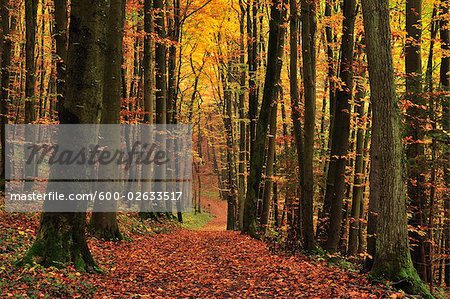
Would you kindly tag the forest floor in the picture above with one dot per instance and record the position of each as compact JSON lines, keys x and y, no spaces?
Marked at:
{"x":173,"y":262}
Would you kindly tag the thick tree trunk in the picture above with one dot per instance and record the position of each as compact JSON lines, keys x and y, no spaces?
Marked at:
{"x":104,"y":224}
{"x":61,"y":237}
{"x":392,"y":258}
{"x":273,"y":70}
{"x":308,"y":19}
{"x":341,"y":127}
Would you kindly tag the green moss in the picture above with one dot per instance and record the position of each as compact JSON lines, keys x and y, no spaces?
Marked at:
{"x":195,"y":221}
{"x":405,"y":278}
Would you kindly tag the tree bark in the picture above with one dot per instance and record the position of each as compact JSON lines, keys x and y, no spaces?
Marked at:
{"x":30,"y":65}
{"x":268,"y":182}
{"x":60,"y":28}
{"x":358,"y":182}
{"x":392,"y":258}
{"x":415,"y":117}
{"x":7,"y":42}
{"x":341,"y":127}
{"x":296,"y":117}
{"x":308,"y":19}
{"x":273,"y":70}
{"x":104,"y":224}
{"x":61,"y":237}
{"x":445,"y":83}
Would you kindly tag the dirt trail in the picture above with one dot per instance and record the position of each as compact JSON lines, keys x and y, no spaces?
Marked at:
{"x":213,"y":264}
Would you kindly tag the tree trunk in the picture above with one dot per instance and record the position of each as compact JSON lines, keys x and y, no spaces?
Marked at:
{"x":415,"y":117}
{"x":148,"y":63}
{"x":341,"y":127}
{"x":295,"y":111}
{"x":445,"y":83}
{"x":324,"y":212}
{"x":60,"y":28}
{"x":7,"y":29}
{"x":242,"y":123}
{"x":252,"y":32}
{"x":30,"y":65}
{"x":61,"y":237}
{"x":230,"y":161}
{"x":161,"y":84}
{"x":268,"y":182}
{"x":104,"y":224}
{"x":308,"y":19}
{"x":273,"y":70}
{"x":392,"y":258}
{"x":358,"y":182}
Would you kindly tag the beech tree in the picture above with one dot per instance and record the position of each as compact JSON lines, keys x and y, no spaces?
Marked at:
{"x":392,"y":259}
{"x":61,"y":237}
{"x":273,"y":70}
{"x":104,"y":224}
{"x":308,"y":19}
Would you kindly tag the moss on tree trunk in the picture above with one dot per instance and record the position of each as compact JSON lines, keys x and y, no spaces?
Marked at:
{"x":60,"y":243}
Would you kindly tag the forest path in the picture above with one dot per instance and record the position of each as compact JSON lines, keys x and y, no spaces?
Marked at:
{"x":217,"y":264}
{"x":214,"y":263}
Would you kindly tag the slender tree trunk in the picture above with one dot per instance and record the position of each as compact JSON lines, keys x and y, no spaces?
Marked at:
{"x":358,"y":183}
{"x":161,"y":83}
{"x":61,"y":237}
{"x":148,"y":63}
{"x":324,"y":213}
{"x":268,"y":182}
{"x":445,"y":84}
{"x":31,"y":7}
{"x":230,"y":161}
{"x":308,"y":19}
{"x":392,"y":258}
{"x":104,"y":224}
{"x":415,"y":118}
{"x":273,"y":70}
{"x":295,"y":109}
{"x":341,"y":127}
{"x":252,"y":46}
{"x":242,"y":122}
{"x":7,"y":29}
{"x":60,"y":28}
